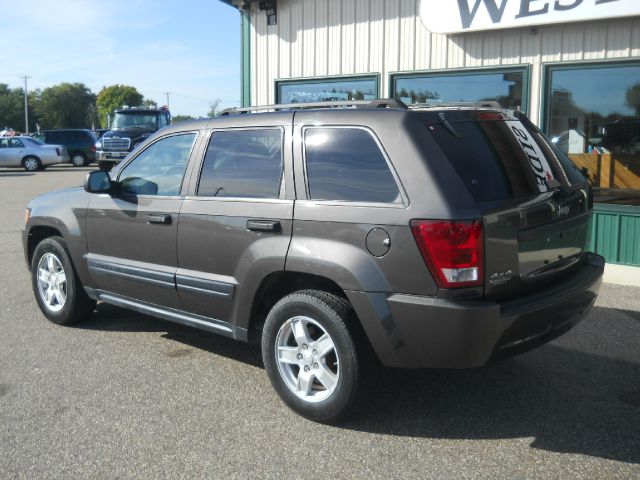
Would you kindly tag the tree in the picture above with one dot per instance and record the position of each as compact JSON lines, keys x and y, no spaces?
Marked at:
{"x":181,"y":118}
{"x":12,"y":108}
{"x":67,"y":105}
{"x":214,"y":108}
{"x":147,"y":102}
{"x":632,"y":98}
{"x":116,"y":96}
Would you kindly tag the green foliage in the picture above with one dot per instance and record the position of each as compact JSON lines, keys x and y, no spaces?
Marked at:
{"x":66,"y":105}
{"x":181,"y":118}
{"x":12,"y":108}
{"x":149,"y":103}
{"x":116,"y":96}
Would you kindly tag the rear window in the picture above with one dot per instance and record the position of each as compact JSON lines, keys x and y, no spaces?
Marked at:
{"x":499,"y":159}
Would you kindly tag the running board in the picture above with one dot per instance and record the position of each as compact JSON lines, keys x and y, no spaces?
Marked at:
{"x":172,"y":315}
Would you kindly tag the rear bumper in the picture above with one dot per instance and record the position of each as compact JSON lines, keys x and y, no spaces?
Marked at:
{"x":110,"y":156}
{"x":409,"y":331}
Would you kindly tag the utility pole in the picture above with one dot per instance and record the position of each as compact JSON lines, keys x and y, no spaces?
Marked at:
{"x":167,"y":94}
{"x":26,"y":105}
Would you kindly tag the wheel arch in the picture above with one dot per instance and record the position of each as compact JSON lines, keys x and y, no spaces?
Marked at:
{"x":279,"y":284}
{"x":37,"y":234}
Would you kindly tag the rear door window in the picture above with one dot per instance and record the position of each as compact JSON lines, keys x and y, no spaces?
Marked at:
{"x":499,"y":159}
{"x":242,"y":164}
{"x":346,"y":164}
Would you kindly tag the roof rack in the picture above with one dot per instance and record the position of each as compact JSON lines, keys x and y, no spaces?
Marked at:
{"x":487,"y":104}
{"x":383,"y":103}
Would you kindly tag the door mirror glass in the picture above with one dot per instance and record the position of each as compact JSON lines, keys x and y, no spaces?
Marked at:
{"x":98,"y":182}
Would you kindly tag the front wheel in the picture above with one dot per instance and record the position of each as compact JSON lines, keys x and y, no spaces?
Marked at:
{"x":315,"y":363}
{"x":57,"y":288}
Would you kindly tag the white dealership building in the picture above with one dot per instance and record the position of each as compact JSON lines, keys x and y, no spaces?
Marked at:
{"x":572,"y":65}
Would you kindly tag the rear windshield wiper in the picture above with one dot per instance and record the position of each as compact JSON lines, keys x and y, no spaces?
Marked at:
{"x":450,"y":128}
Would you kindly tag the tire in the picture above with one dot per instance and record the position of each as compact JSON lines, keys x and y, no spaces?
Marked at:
{"x":31,"y":164}
{"x":78,"y":159}
{"x":322,"y":380}
{"x":56,"y":285}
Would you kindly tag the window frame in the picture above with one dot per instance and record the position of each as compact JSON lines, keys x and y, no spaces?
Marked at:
{"x":549,"y":67}
{"x":404,"y":199}
{"x":525,"y":69}
{"x":324,"y":79}
{"x":207,"y":142}
{"x":545,"y":100}
{"x":185,"y":179}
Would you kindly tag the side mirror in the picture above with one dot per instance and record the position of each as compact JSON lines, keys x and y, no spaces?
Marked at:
{"x":98,"y":182}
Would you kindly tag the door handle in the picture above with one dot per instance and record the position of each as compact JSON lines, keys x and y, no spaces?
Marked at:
{"x":159,"y":219}
{"x":269,"y":226}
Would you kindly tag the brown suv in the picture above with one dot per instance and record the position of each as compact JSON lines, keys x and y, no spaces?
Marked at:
{"x":339,"y":236}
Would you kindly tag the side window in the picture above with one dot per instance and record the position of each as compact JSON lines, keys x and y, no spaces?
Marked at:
{"x":15,"y":143}
{"x":346,"y":164}
{"x":163,"y":121}
{"x":4,"y":142}
{"x":160,"y":168}
{"x":242,"y":163}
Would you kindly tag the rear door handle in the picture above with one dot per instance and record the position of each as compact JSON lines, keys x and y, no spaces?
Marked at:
{"x":159,"y":219}
{"x":269,"y":226}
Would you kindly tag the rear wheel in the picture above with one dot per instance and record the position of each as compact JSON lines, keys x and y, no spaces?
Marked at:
{"x":318,"y":367}
{"x":31,"y":164}
{"x":78,"y":159}
{"x":57,"y":288}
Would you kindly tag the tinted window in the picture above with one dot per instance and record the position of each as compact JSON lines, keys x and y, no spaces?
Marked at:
{"x":328,"y":90}
{"x":159,"y":169}
{"x":504,"y":87}
{"x":593,"y":115}
{"x":503,"y":159}
{"x":15,"y":143}
{"x":242,"y":163}
{"x":347,"y":164}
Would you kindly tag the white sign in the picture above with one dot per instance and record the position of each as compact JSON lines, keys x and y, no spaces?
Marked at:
{"x":455,"y":16}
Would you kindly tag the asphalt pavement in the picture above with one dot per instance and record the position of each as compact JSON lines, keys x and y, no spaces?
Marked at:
{"x":124,"y":395}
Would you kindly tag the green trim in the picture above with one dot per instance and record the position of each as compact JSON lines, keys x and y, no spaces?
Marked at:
{"x":443,"y":72}
{"x":320,"y":79}
{"x":547,"y":68}
{"x":616,"y":208}
{"x":245,"y":42}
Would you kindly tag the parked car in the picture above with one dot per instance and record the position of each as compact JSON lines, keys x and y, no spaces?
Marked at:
{"x":79,"y":142}
{"x":337,"y":236}
{"x":30,"y":153}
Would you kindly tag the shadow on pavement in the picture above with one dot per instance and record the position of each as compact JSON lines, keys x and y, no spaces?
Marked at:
{"x":569,"y":401}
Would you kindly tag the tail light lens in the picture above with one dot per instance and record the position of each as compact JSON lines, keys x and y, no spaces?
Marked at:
{"x":93,"y":148}
{"x":453,"y":251}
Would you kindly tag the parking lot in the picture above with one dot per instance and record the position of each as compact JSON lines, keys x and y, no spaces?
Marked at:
{"x":129,"y":396}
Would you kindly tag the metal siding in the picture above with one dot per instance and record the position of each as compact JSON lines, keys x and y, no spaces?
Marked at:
{"x":341,"y":37}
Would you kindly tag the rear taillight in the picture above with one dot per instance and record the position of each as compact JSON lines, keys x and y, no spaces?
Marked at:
{"x":453,"y":251}
{"x":57,"y":151}
{"x":93,"y":148}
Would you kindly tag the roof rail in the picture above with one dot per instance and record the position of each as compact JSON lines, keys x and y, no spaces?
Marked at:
{"x":380,"y":103}
{"x":487,"y":104}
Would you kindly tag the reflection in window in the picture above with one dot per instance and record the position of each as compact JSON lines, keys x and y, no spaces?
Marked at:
{"x":346,"y":164}
{"x":328,"y":90}
{"x":504,"y":87}
{"x":593,"y":114}
{"x":159,"y":168}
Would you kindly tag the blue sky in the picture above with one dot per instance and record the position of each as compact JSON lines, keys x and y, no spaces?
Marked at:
{"x":190,"y":48}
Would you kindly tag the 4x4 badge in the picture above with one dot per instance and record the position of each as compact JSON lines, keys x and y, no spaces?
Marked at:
{"x":500,"y":277}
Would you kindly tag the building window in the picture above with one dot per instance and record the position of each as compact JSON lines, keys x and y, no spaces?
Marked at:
{"x":327,"y":89}
{"x":593,"y":114}
{"x":506,"y":86}
{"x":346,"y":164}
